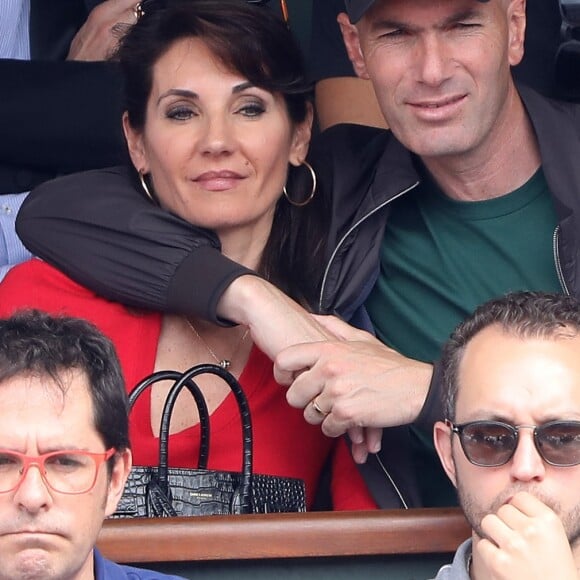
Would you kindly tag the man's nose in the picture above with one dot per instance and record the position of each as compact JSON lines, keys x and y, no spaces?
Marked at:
{"x":433,"y":60}
{"x":33,"y":493}
{"x":526,"y":463}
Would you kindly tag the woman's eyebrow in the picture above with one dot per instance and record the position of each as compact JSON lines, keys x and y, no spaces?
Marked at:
{"x":193,"y":95}
{"x":242,"y":87}
{"x":178,"y":93}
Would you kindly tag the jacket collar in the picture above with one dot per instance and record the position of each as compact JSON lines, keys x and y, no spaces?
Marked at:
{"x":559,"y":145}
{"x":556,"y":126}
{"x":558,"y":141}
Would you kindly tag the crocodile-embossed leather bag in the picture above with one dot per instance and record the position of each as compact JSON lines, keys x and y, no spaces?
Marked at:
{"x":163,"y":491}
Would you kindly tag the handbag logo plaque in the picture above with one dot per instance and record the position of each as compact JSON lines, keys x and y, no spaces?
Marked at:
{"x":163,"y":491}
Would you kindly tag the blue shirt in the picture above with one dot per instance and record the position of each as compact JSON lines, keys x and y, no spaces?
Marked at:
{"x":14,"y":36}
{"x":459,"y":568}
{"x":12,"y":251}
{"x":107,"y":570}
{"x":15,"y":44}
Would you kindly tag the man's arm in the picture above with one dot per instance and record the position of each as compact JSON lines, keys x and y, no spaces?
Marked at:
{"x":98,"y":229}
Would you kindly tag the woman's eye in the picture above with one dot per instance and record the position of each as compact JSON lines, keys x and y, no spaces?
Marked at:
{"x":252,"y":109}
{"x":180,"y":113}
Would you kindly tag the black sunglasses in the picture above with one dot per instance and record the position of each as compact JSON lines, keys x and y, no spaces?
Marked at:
{"x":568,"y":55}
{"x":493,"y":443}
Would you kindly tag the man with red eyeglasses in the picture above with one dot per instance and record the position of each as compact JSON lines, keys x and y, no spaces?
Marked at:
{"x":64,"y":449}
{"x":511,"y":440}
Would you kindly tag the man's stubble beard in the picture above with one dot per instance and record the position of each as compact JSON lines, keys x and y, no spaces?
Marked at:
{"x":474,"y":512}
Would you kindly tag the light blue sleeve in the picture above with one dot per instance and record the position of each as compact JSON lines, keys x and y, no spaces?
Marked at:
{"x":12,"y":250}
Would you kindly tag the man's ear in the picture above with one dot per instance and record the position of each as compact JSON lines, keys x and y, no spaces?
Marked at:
{"x":351,"y":40}
{"x":119,"y":475}
{"x":135,"y":145}
{"x":516,"y":31}
{"x":442,"y":438}
{"x":301,"y":138}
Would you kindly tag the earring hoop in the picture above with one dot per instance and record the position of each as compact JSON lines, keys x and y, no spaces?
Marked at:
{"x":146,"y":187}
{"x":138,"y":11}
{"x":312,"y":192}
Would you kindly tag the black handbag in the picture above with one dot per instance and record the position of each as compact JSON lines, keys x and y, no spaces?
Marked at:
{"x":164,"y":491}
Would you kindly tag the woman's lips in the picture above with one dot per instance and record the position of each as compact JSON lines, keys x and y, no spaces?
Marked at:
{"x":218,"y":180}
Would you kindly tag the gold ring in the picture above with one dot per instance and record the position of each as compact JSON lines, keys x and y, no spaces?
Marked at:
{"x":317,"y":408}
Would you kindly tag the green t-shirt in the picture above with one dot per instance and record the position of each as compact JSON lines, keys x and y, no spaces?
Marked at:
{"x":440,"y":259}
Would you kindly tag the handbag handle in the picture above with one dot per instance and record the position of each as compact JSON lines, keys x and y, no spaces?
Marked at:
{"x":241,"y":502}
{"x":199,"y":401}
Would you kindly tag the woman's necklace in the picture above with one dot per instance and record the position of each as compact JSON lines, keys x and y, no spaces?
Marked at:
{"x":224,"y":363}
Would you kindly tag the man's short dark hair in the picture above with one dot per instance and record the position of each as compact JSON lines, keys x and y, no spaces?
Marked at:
{"x":521,"y":314}
{"x":33,"y":343}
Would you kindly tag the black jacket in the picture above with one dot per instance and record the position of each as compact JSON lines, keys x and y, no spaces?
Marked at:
{"x":97,"y":229}
{"x":57,"y":116}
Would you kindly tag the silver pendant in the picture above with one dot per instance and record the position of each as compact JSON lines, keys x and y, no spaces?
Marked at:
{"x":225,"y":364}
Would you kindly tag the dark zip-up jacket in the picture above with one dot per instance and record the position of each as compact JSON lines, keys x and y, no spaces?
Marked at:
{"x":100,"y":232}
{"x":375,"y":165}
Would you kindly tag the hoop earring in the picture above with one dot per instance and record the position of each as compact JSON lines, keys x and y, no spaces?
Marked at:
{"x":312,"y":192}
{"x":145,"y":187}
{"x":138,"y":11}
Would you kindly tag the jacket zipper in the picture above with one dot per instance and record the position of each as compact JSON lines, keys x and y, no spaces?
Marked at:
{"x":559,"y":272}
{"x":350,"y":230}
{"x":342,"y":240}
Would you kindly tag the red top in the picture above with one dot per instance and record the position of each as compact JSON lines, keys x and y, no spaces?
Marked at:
{"x":284,"y":444}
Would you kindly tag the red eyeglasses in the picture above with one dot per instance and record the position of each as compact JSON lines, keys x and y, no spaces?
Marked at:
{"x":70,"y":471}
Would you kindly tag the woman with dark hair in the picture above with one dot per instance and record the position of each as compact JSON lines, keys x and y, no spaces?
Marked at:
{"x":218,"y":123}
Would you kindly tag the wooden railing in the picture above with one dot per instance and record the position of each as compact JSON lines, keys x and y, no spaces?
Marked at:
{"x":417,"y":531}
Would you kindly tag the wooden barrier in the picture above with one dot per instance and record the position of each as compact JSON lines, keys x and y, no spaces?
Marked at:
{"x":309,"y":535}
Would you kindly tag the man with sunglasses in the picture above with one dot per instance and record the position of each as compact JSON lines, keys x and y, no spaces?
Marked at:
{"x":511,"y":440}
{"x":64,"y":449}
